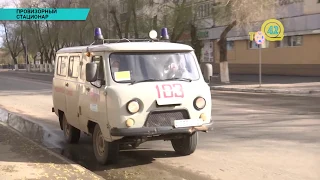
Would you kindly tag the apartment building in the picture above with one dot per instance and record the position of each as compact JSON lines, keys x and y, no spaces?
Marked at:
{"x":149,"y":13}
{"x":148,"y":9}
{"x":297,"y":54}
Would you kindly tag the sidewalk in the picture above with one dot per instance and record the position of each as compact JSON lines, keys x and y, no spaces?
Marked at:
{"x":31,"y":72}
{"x":270,"y":84}
{"x":21,"y":158}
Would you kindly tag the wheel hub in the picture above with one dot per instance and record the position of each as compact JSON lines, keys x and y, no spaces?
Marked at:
{"x":100,"y":144}
{"x":67,"y":128}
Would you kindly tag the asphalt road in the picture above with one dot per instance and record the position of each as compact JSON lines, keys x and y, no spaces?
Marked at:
{"x":256,"y":136}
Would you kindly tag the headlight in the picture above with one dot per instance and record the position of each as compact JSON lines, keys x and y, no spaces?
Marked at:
{"x":199,"y":103}
{"x":133,"y":106}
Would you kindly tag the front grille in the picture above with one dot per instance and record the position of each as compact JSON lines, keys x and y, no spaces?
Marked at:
{"x":165,"y":118}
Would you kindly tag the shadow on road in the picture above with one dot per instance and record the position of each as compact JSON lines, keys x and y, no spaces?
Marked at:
{"x":82,"y":153}
{"x":266,"y":117}
{"x":238,"y":79}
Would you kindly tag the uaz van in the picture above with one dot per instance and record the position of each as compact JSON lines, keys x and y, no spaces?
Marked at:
{"x":127,"y":93}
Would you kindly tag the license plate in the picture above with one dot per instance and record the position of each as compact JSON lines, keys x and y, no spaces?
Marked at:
{"x":169,"y":101}
{"x":188,"y":123}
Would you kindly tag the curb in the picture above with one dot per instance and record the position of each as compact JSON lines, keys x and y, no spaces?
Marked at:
{"x":31,"y":72}
{"x":270,"y":91}
{"x":10,"y":120}
{"x":37,"y":73}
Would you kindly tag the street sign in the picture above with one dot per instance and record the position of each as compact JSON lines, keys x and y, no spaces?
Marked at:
{"x":273,"y":30}
{"x":259,"y":37}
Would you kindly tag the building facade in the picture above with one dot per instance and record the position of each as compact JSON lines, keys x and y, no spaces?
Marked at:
{"x":297,"y":54}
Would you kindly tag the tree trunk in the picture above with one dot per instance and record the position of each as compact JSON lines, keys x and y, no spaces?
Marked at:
{"x":116,"y":21}
{"x":195,"y":42}
{"x":179,"y":25}
{"x":24,"y":45}
{"x":126,"y":29}
{"x":16,"y":67}
{"x":135,"y":25}
{"x":155,"y":22}
{"x":222,"y":43}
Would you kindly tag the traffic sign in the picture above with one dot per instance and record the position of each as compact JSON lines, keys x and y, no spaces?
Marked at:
{"x":273,"y":30}
{"x":38,"y":54}
{"x":259,"y":37}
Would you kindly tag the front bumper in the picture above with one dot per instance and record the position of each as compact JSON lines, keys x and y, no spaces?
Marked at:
{"x":152,"y":131}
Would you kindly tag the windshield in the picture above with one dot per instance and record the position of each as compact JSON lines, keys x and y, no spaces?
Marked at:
{"x":135,"y":67}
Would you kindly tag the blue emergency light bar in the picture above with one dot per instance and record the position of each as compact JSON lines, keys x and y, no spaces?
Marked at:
{"x":98,"y":34}
{"x":164,"y":34}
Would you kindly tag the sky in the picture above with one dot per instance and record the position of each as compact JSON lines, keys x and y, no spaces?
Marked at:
{"x":8,"y":4}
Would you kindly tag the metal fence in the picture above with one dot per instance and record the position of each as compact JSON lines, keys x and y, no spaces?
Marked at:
{"x":7,"y":66}
{"x":33,"y":67}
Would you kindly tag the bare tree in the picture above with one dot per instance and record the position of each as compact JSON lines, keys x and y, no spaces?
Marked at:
{"x":181,"y":16}
{"x":12,"y":41}
{"x":113,"y":12}
{"x":240,"y":14}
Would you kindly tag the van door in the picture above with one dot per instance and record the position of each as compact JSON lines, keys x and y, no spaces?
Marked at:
{"x":92,"y":102}
{"x":59,"y":98}
{"x":72,"y":90}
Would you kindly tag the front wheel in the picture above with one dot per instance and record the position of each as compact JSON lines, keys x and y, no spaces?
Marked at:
{"x":186,"y":145}
{"x":105,"y":152}
{"x":71,"y":133}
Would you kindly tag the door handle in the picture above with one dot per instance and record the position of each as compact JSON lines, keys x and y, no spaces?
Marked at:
{"x":88,"y":89}
{"x":67,"y":84}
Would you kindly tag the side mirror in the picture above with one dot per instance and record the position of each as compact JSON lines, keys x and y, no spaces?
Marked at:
{"x":91,"y":72}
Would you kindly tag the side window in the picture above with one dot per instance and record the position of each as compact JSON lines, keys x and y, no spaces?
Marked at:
{"x":74,"y":66}
{"x":61,"y":66}
{"x":99,"y":61}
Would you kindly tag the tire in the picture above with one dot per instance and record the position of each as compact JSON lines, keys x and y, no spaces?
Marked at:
{"x":71,"y":134}
{"x":134,"y":145}
{"x":105,"y":152}
{"x":186,"y":145}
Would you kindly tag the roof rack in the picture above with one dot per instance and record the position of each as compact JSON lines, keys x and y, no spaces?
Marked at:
{"x":98,"y":37}
{"x":126,"y":40}
{"x":108,"y":41}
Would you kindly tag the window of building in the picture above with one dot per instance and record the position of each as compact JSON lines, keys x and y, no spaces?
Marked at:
{"x":204,"y":10}
{"x":290,"y":41}
{"x":230,"y":45}
{"x":254,"y":45}
{"x":62,"y":65}
{"x":151,"y":2}
{"x":140,"y":4}
{"x":123,"y":6}
{"x":74,"y":66}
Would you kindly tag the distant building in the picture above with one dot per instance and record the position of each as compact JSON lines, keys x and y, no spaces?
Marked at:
{"x":297,"y":54}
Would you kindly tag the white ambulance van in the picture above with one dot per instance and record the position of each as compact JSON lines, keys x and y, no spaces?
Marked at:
{"x":127,"y":93}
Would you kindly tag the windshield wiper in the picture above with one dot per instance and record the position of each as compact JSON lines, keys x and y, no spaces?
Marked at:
{"x":146,"y":80}
{"x":179,"y":79}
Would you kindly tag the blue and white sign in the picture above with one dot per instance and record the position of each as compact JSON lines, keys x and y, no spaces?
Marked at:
{"x":259,"y":37}
{"x":40,"y":14}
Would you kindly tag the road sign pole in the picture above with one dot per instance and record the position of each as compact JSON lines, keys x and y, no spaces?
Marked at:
{"x":260,"y":65}
{"x":271,"y":30}
{"x":259,"y":39}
